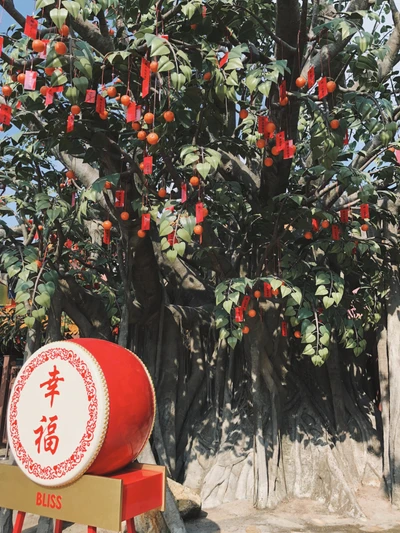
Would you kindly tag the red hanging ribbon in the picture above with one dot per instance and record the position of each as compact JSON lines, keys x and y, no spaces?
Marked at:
{"x":73,"y":200}
{"x":322,"y":88}
{"x":262,"y":125}
{"x":146,"y":221}
{"x":199,"y":212}
{"x":31,"y":27}
{"x":100,"y":104}
{"x":288,"y":149}
{"x":315,"y":224}
{"x":224,"y":60}
{"x":172,"y":238}
{"x":282,"y":90}
{"x":346,"y":138}
{"x":1,"y":44}
{"x":311,"y":77}
{"x":131,"y":113}
{"x":145,"y":74}
{"x":119,"y":198}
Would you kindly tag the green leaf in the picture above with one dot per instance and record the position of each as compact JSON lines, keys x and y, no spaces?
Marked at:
{"x":232,"y":341}
{"x":81,"y":84}
{"x":327,"y":301}
{"x":285,"y":291}
{"x":276,"y":283}
{"x":29,"y":321}
{"x":85,"y":67}
{"x":239,"y":286}
{"x":233,"y":64}
{"x":321,"y":291}
{"x":304,"y":312}
{"x":221,"y":321}
{"x":252,"y":82}
{"x":297,"y":295}
{"x":22,"y":297}
{"x":98,"y":185}
{"x":190,"y":159}
{"x":223,"y":334}
{"x":290,"y":311}
{"x":337,"y":296}
{"x":308,"y":339}
{"x":178,"y":80}
{"x":322,"y":278}
{"x":58,"y":78}
{"x":39,"y":313}
{"x":72,"y":94}
{"x":227,"y":305}
{"x":234,"y":297}
{"x":43,"y":299}
{"x":172,"y":255}
{"x":180,"y":248}
{"x":309,"y":350}
{"x":40,"y":4}
{"x":184,"y":235}
{"x":72,"y":7}
{"x":325,"y":339}
{"x":59,"y":16}
{"x":265,"y":88}
{"x":203,"y":169}
{"x":165,"y":228}
{"x":164,"y":64}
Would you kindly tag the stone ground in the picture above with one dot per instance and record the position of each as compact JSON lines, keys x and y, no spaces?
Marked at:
{"x":296,"y":516}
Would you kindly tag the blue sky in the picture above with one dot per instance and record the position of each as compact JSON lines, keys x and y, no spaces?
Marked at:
{"x":23,"y":6}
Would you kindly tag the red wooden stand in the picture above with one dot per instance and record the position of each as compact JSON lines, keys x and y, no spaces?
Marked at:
{"x":143,"y":490}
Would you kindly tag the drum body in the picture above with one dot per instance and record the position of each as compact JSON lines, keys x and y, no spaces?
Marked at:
{"x":79,"y":406}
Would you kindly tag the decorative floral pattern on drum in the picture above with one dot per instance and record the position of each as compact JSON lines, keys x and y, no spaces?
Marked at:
{"x":57,"y":415}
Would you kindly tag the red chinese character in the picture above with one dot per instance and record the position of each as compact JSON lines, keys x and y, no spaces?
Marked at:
{"x":52,"y":385}
{"x":50,"y":440}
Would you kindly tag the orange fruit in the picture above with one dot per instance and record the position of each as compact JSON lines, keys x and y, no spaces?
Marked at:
{"x":194,"y":181}
{"x":141,"y":166}
{"x":7,"y":91}
{"x":136,"y":126}
{"x":108,"y":185}
{"x":104,"y":115}
{"x":325,"y":224}
{"x":260,"y":143}
{"x":38,"y":263}
{"x":245,"y":330}
{"x":391,"y":149}
{"x":198,"y":230}
{"x":1,"y":127}
{"x":169,"y":116}
{"x":300,"y":82}
{"x":162,"y":193}
{"x":270,"y":127}
{"x":75,"y":110}
{"x":243,"y":114}
{"x":275,"y":292}
{"x":141,"y":233}
{"x":141,"y":135}
{"x":268,"y":161}
{"x":154,"y":66}
{"x":193,"y":26}
{"x":148,"y":118}
{"x":43,"y":90}
{"x":107,"y":225}
{"x":257,"y":294}
{"x":64,"y":30}
{"x":60,"y":49}
{"x":49,"y":71}
{"x":111,"y":32}
{"x":125,"y":215}
{"x":38,"y":46}
{"x":70,"y":174}
{"x":365,"y":227}
{"x":112,"y":92}
{"x":297,"y":334}
{"x":308,"y":235}
{"x":205,"y":212}
{"x":252,"y":313}
{"x":40,"y":228}
{"x":334,"y":124}
{"x":331,"y":86}
{"x":21,"y":78}
{"x":274,"y":150}
{"x":125,"y":100}
{"x":284,"y":101}
{"x":152,"y":138}
{"x":207,"y":76}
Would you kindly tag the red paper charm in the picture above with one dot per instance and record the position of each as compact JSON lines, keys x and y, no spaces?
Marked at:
{"x":119,"y":198}
{"x":145,"y":221}
{"x":164,"y":37}
{"x":199,"y":212}
{"x":346,"y":138}
{"x":31,"y":27}
{"x":282,"y":90}
{"x":131,"y":112}
{"x":315,"y":224}
{"x":288,"y":149}
{"x":322,"y":88}
{"x":30,"y":80}
{"x":1,"y":44}
{"x":145,"y":74}
{"x":49,"y":97}
{"x":106,"y":236}
{"x":148,"y":165}
{"x":184,"y":192}
{"x":43,"y":54}
{"x":70,"y":123}
{"x":172,"y":238}
{"x":311,"y":77}
{"x":224,"y":60}
{"x":245,"y":302}
{"x":238,"y":314}
{"x":5,"y":114}
{"x":100,"y":104}
{"x":267,"y":290}
{"x":344,"y":215}
{"x":335,"y":232}
{"x":204,"y":11}
{"x":262,"y":124}
{"x":284,"y":329}
{"x":364,"y":211}
{"x":90,"y":96}
{"x":280,"y":141}
{"x":73,"y":200}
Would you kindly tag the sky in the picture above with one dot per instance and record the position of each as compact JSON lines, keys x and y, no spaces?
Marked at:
{"x":23,"y":6}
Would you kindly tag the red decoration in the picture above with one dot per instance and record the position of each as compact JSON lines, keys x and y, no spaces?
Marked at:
{"x":364,"y":211}
{"x":335,"y":232}
{"x":106,"y":236}
{"x":145,"y":74}
{"x":49,"y":97}
{"x":90,"y":96}
{"x":172,"y":238}
{"x":238,"y":314}
{"x":100,"y":104}
{"x":31,"y":27}
{"x":245,"y":302}
{"x":19,"y":104}
{"x":199,"y":212}
{"x":145,"y":221}
{"x":397,"y":154}
{"x":131,"y":112}
{"x":344,"y":215}
{"x":288,"y":149}
{"x":204,"y":11}
{"x":73,"y":200}
{"x":30,"y":80}
{"x":280,"y":141}
{"x":1,"y":44}
{"x":119,"y":198}
{"x":262,"y":125}
{"x":184,"y":192}
{"x":148,"y":164}
{"x":70,"y":123}
{"x":267,"y":290}
{"x":282,"y":90}
{"x":284,"y":329}
{"x":164,"y":37}
{"x":311,"y":77}
{"x":322,"y":88}
{"x":43,"y":54}
{"x":224,"y":60}
{"x":315,"y":224}
{"x":346,"y":138}
{"x":5,"y":114}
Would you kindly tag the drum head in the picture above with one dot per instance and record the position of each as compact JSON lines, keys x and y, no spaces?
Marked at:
{"x":58,"y":414}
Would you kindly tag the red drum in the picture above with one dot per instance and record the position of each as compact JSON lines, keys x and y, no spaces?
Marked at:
{"x":79,"y":406}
